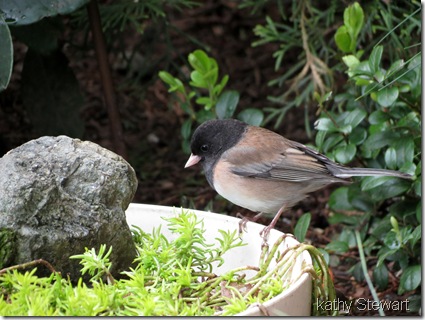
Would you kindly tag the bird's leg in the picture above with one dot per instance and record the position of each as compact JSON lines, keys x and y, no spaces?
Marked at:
{"x":245,"y":220}
{"x":265,"y":232}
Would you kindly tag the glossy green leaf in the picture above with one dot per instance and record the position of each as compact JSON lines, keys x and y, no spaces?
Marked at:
{"x":345,"y":129}
{"x":251,"y":116}
{"x":391,"y":188}
{"x":411,"y":120}
{"x":226,"y":104}
{"x":369,"y":183}
{"x":385,"y":253}
{"x":380,"y":276}
{"x":379,"y":76}
{"x":174,"y":83}
{"x":380,"y":139}
{"x":391,"y":158}
{"x":166,"y":77}
{"x":198,"y":80}
{"x":325,"y":124}
{"x":301,"y":227}
{"x":387,"y":96}
{"x":337,"y":246}
{"x":360,"y":200}
{"x":320,"y":138}
{"x":363,"y":69}
{"x":396,"y":66}
{"x":405,"y":150}
{"x":338,"y":200}
{"x":20,"y":12}
{"x":353,"y":19}
{"x":332,"y":141}
{"x":375,"y":58}
{"x":351,"y":61}
{"x":381,"y":229}
{"x":417,"y":187}
{"x":415,"y":236}
{"x":378,"y":116}
{"x":200,"y":61}
{"x":355,"y":117}
{"x":358,"y":272}
{"x":391,"y":240}
{"x":410,"y":279}
{"x":219,"y":87}
{"x":6,"y":55}
{"x":345,"y":154}
{"x":343,"y":39}
{"x":357,"y":136}
{"x":338,"y":218}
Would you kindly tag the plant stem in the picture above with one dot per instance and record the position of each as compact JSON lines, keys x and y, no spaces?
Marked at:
{"x":366,"y":275}
{"x":28,"y":265}
{"x":106,"y":78}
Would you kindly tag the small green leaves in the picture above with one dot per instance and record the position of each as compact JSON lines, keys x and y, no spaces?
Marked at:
{"x":217,"y":103}
{"x":353,"y":19}
{"x":174,"y":83}
{"x":172,"y":276}
{"x":346,"y":35}
{"x":95,"y":264}
{"x":377,"y":122}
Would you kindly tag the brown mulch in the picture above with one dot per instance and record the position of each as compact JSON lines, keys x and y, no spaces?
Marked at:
{"x":152,"y":121}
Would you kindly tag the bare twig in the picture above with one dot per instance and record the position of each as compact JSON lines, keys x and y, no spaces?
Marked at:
{"x":106,"y":77}
{"x":28,"y":265}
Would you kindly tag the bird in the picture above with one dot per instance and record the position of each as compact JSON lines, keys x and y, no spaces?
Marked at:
{"x":260,"y":170}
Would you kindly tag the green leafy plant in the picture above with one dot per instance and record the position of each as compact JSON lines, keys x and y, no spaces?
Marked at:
{"x":346,"y":35}
{"x":216,"y":103}
{"x":171,"y":277}
{"x":377,"y":123}
{"x":300,"y":31}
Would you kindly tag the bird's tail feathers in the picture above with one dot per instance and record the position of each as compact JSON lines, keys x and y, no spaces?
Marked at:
{"x":343,"y":172}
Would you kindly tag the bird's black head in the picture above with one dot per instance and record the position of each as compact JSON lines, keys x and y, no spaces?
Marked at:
{"x":214,"y":137}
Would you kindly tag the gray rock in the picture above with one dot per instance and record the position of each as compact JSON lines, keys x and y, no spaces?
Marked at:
{"x":60,"y":195}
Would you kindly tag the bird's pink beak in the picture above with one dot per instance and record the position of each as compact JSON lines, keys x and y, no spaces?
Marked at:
{"x":192,"y":160}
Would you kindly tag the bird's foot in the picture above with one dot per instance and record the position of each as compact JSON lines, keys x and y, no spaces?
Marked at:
{"x":265,"y":234}
{"x":244,"y":220}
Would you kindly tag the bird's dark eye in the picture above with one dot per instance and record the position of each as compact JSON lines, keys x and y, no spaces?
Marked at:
{"x":204,"y":148}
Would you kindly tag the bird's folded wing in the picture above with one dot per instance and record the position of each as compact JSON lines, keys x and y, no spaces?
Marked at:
{"x":293,"y":164}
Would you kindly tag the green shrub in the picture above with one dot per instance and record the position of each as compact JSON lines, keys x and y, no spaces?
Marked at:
{"x":376,"y":122}
{"x":216,"y":103}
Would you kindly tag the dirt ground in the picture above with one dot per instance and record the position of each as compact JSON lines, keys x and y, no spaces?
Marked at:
{"x":152,"y":122}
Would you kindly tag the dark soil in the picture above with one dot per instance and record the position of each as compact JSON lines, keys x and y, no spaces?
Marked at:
{"x":152,"y":120}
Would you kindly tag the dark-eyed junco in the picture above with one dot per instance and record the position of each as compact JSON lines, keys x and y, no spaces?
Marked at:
{"x":262,"y":171}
